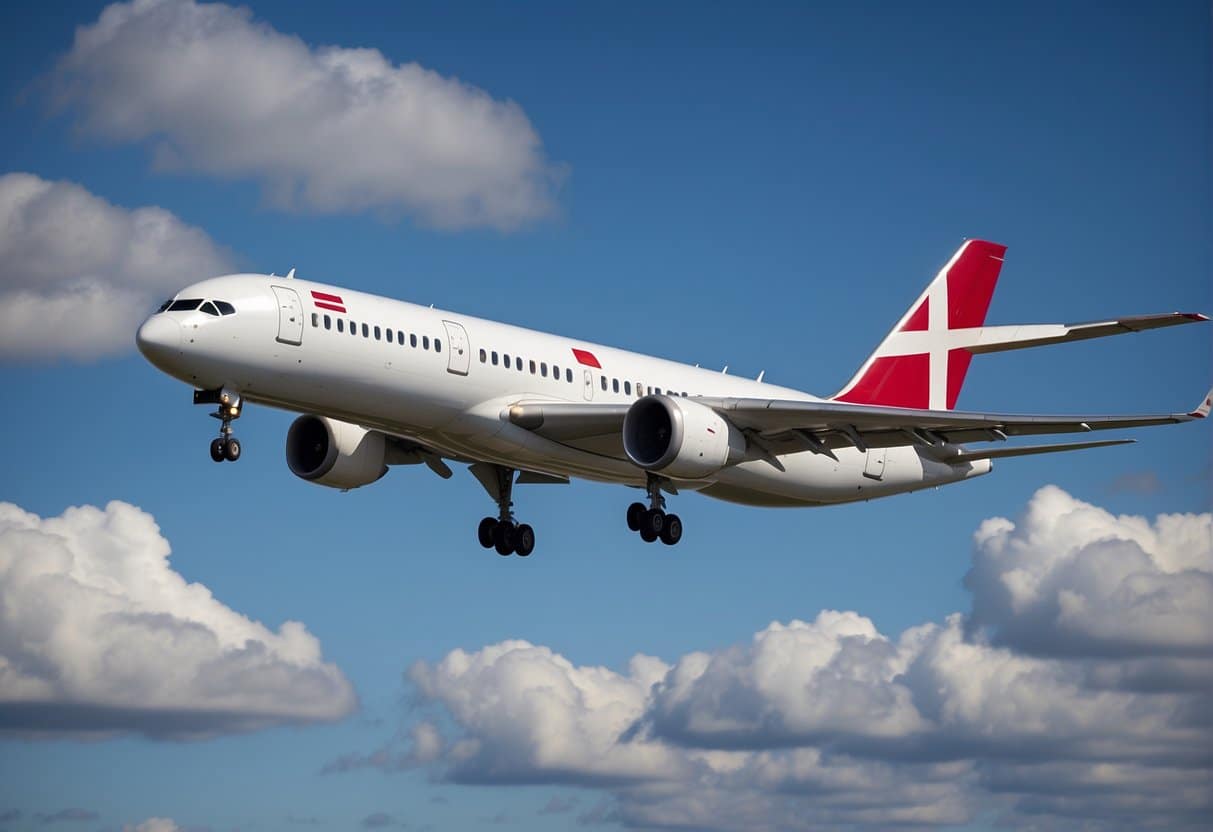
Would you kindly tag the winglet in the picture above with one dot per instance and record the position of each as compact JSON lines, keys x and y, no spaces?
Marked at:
{"x":1205,"y":406}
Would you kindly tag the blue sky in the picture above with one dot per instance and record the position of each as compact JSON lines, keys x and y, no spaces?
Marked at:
{"x":765,"y":188}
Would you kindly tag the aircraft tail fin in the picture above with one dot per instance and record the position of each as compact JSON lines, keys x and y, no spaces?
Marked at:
{"x":917,"y":365}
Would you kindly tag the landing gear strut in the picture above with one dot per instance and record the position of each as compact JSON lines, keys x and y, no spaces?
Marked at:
{"x":225,"y":446}
{"x":653,"y":522}
{"x":502,"y":532}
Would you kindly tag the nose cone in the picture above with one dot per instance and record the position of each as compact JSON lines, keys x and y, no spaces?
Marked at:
{"x":159,"y":339}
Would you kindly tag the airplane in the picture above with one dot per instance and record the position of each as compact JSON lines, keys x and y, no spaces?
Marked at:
{"x":382,"y":382}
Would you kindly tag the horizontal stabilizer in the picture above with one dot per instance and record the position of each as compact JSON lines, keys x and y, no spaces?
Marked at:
{"x":999,"y":338}
{"x":1029,"y":450}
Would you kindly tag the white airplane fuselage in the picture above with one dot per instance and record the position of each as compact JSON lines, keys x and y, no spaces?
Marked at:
{"x":442,"y":395}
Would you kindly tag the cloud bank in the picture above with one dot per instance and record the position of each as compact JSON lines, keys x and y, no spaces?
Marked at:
{"x":327,"y":129}
{"x":99,"y":635}
{"x":78,"y":274}
{"x":1077,"y":691}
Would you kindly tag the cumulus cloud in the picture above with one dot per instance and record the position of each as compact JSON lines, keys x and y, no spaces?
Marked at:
{"x":98,"y":634}
{"x":154,"y":825}
{"x":77,"y":273}
{"x":1073,"y":579}
{"x":830,"y":723}
{"x":323,"y":128}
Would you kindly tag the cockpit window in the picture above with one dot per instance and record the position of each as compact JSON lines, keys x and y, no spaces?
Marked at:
{"x":225,"y":308}
{"x":186,"y":305}
{"x":209,"y":308}
{"x":165,"y":305}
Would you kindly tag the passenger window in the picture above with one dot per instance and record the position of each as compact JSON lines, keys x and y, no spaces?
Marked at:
{"x":388,"y":334}
{"x":615,"y":384}
{"x":413,"y":340}
{"x":377,"y":333}
{"x":328,"y":322}
{"x":188,"y":305}
{"x":657,"y":390}
{"x":518,"y":363}
{"x":484,"y":356}
{"x":543,"y":369}
{"x":400,"y":337}
{"x":225,"y":308}
{"x":437,"y":345}
{"x":555,"y":372}
{"x":315,"y":320}
{"x":505,"y":360}
{"x":532,"y":367}
{"x":568,"y":375}
{"x":627,"y":387}
{"x":209,"y":308}
{"x":353,"y":328}
{"x":340,"y":325}
{"x":366,"y":331}
{"x":604,"y":383}
{"x":425,"y":342}
{"x":494,"y":358}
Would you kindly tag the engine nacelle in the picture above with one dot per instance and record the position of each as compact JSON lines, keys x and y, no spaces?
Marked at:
{"x":337,"y":454}
{"x":680,"y":438}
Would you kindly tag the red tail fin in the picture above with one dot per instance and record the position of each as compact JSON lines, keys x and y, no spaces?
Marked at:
{"x":917,"y":365}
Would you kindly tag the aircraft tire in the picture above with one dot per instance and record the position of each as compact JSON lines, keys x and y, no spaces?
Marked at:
{"x":231,"y":449}
{"x":217,"y":450}
{"x":503,"y":538}
{"x":653,"y":522}
{"x":635,"y":516}
{"x":485,"y":532}
{"x":524,"y":540}
{"x":671,"y":532}
{"x":647,"y":535}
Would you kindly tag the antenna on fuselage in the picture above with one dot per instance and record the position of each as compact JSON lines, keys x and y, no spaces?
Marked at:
{"x":725,"y":371}
{"x":761,"y":374}
{"x":291,"y":274}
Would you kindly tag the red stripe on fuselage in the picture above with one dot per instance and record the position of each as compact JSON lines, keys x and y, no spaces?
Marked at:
{"x":331,"y":306}
{"x":587,"y":358}
{"x":327,"y":297}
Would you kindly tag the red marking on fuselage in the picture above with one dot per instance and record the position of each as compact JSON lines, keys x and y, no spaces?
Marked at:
{"x":331,"y":306}
{"x":586,"y":357}
{"x":326,"y":296}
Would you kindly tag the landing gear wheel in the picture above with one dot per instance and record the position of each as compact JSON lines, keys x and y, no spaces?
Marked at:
{"x":671,"y":533}
{"x":217,"y":450}
{"x":485,"y":532}
{"x":635,"y":515}
{"x":524,"y":540}
{"x":503,"y":538}
{"x":647,"y":534}
{"x":653,"y":522}
{"x":231,"y":449}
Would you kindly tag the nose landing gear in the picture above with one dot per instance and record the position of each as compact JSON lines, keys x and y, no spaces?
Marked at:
{"x":225,"y":446}
{"x":653,"y":522}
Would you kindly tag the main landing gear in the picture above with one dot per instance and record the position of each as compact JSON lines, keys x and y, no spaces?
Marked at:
{"x":225,"y":446}
{"x":653,"y":522}
{"x":503,"y":532}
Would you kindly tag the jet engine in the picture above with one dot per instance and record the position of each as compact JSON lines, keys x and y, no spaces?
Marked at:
{"x":680,"y":438}
{"x":337,"y":454}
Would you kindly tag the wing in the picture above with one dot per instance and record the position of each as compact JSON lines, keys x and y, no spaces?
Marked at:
{"x":779,"y":426}
{"x":790,"y":426}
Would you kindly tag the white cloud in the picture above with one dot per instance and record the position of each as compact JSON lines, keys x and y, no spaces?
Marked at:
{"x":832,"y":724}
{"x":1074,"y":579}
{"x":78,"y":274}
{"x":98,"y":634}
{"x":324,"y":128}
{"x":154,"y":825}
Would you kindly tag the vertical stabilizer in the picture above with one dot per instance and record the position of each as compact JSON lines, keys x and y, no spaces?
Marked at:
{"x":918,"y":364}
